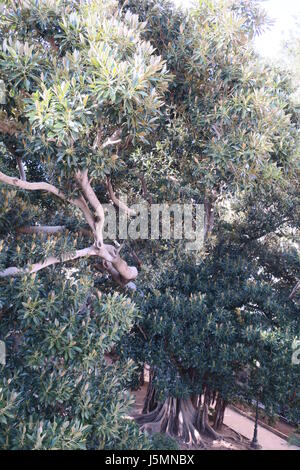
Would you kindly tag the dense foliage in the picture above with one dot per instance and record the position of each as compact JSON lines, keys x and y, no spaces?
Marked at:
{"x":58,"y":388}
{"x":79,"y":86}
{"x":163,"y":105}
{"x":224,"y":324}
{"x":220,"y":326}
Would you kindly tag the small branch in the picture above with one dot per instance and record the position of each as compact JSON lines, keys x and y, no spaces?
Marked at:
{"x":145,"y":192}
{"x":21,"y":169}
{"x":142,"y":331}
{"x":49,"y":229}
{"x":12,"y":150}
{"x":137,"y":259}
{"x":135,"y":256}
{"x":295,"y":291}
{"x":114,"y":139}
{"x":117,"y":201}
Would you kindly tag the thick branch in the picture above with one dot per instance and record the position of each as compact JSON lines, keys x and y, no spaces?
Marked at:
{"x":106,"y":266}
{"x":82,"y":178}
{"x":14,"y":271}
{"x":117,"y":266}
{"x":117,"y":201}
{"x":16,"y":182}
{"x":82,"y":204}
{"x":106,"y":252}
{"x":42,"y":186}
{"x":103,"y":252}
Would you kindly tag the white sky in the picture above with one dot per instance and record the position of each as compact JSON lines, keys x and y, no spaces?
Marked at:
{"x":284,"y":13}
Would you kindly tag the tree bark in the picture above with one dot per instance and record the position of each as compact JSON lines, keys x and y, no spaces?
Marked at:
{"x":175,"y":417}
{"x":113,"y":263}
{"x":219,"y":413}
{"x":21,"y":169}
{"x":184,"y":419}
{"x":121,"y":205}
{"x":150,"y":402}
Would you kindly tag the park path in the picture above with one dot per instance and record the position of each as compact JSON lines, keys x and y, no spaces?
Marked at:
{"x":236,"y":421}
{"x":245,"y":426}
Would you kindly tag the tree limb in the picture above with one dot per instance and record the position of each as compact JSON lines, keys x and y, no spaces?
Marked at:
{"x":118,"y":267}
{"x":40,"y":186}
{"x":49,"y":229}
{"x":295,"y":291}
{"x":21,"y":169}
{"x":82,"y":178}
{"x":82,"y":204}
{"x":14,"y":271}
{"x":117,"y":201}
{"x":145,"y":192}
{"x":106,"y":266}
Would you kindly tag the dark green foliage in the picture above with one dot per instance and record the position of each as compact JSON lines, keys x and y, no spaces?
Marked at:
{"x":295,"y":439}
{"x":161,"y":441}
{"x":223,"y":320}
{"x":71,"y":74}
{"x":59,"y":389}
{"x":198,"y":118}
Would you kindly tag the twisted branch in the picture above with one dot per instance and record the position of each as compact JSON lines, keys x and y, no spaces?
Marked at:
{"x":117,"y":201}
{"x":14,"y":271}
{"x":42,"y":186}
{"x":113,"y":263}
{"x":82,"y":179}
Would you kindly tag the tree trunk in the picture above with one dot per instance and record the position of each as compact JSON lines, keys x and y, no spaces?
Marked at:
{"x":219,"y":413}
{"x":184,"y":419}
{"x":150,"y":402}
{"x":202,"y":415}
{"x":176,"y":417}
{"x":142,"y":379}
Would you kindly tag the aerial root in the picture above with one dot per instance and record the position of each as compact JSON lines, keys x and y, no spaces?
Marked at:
{"x":175,"y":417}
